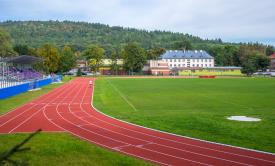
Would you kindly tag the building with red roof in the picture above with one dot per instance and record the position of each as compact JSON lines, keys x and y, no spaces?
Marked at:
{"x":272,"y":62}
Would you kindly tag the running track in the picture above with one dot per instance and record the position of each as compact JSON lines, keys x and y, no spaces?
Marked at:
{"x":68,"y":109}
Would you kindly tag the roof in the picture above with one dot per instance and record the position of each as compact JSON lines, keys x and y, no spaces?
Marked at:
{"x":272,"y":56}
{"x":23,"y":59}
{"x":188,"y":54}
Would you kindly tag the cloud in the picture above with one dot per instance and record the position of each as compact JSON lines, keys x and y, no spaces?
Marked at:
{"x":226,"y":19}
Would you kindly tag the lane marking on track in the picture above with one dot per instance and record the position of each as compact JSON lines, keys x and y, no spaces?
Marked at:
{"x":156,"y":143}
{"x":36,"y":112}
{"x":123,"y":141}
{"x":102,"y":145}
{"x":134,"y":137}
{"x":33,"y":105}
{"x":236,"y":154}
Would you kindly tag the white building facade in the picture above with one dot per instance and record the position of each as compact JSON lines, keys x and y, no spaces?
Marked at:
{"x":188,"y":59}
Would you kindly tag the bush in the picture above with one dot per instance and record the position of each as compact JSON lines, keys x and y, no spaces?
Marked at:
{"x":78,"y":73}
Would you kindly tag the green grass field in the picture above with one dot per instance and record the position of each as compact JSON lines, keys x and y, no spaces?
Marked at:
{"x":58,"y":148}
{"x":195,"y":107}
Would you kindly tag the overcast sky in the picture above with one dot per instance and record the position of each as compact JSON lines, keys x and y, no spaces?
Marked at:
{"x":230,"y":20}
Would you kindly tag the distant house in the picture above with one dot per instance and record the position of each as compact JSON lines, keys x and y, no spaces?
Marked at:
{"x":272,"y":62}
{"x":188,"y":59}
{"x":158,"y":67}
{"x":178,"y":60}
{"x":105,"y":68}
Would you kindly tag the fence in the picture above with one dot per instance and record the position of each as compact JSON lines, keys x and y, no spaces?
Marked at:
{"x":23,"y":87}
{"x":11,"y":75}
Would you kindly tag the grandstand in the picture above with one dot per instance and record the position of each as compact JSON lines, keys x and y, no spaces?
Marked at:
{"x":17,"y":70}
{"x":17,"y":75}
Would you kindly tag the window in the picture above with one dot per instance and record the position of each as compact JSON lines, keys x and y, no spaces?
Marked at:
{"x":197,"y":65}
{"x":193,"y":65}
{"x":170,"y":65}
{"x":179,"y":60}
{"x":178,"y":65}
{"x":205,"y":60}
{"x":197,"y":60}
{"x":183,"y":60}
{"x":183,"y":65}
{"x":175,"y":60}
{"x":170,"y":60}
{"x":201,"y":60}
{"x":201,"y":65}
{"x":193,"y":60}
{"x":175,"y":65}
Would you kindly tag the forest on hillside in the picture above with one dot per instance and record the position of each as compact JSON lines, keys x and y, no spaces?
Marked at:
{"x":62,"y":43}
{"x":81,"y":34}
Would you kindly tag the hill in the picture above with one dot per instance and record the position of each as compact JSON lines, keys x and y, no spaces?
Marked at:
{"x":81,"y":34}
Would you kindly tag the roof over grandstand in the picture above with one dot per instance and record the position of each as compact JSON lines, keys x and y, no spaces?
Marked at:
{"x":23,"y":59}
{"x":186,"y":54}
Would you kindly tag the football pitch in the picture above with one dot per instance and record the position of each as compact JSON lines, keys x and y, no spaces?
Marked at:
{"x":195,"y":107}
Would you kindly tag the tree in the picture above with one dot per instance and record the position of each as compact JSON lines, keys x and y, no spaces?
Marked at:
{"x":114,"y":64}
{"x":218,"y":53}
{"x":269,"y":50}
{"x":95,"y":53}
{"x":262,"y":62}
{"x":51,"y":58}
{"x":21,"y":49}
{"x":78,"y":73}
{"x":182,"y":45}
{"x":248,"y":68}
{"x":155,"y":53}
{"x":67,"y":59}
{"x":24,"y":50}
{"x":5,"y":44}
{"x":255,"y":61}
{"x":134,"y":57}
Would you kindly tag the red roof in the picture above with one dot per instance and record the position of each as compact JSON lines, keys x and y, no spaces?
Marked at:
{"x":272,"y":56}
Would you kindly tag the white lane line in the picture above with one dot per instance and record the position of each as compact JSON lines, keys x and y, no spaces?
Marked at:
{"x":123,"y":96}
{"x":34,"y":113}
{"x":236,"y":154}
{"x":27,"y":119}
{"x":102,"y":145}
{"x":17,"y":115}
{"x":150,"y":142}
{"x":115,"y":139}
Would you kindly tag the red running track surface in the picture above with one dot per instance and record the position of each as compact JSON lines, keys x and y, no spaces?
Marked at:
{"x":68,"y":109}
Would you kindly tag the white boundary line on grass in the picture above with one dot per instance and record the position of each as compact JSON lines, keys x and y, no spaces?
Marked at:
{"x":122,"y":95}
{"x":154,"y":161}
{"x":253,"y":150}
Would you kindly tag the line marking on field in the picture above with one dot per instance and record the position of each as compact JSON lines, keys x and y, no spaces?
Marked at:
{"x":123,"y":96}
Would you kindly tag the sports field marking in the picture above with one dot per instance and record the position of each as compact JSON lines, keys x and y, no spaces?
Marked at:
{"x":123,"y":96}
{"x":107,"y":137}
{"x":80,"y":93}
{"x":39,"y":110}
{"x":148,"y":142}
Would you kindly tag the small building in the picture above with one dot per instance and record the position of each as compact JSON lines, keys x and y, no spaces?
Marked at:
{"x":105,"y":68}
{"x":272,"y":62}
{"x":158,"y":67}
